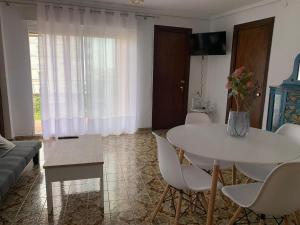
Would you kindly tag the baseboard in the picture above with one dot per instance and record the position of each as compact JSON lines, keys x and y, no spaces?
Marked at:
{"x":143,"y":130}
{"x":31,"y":137}
{"x":39,"y":137}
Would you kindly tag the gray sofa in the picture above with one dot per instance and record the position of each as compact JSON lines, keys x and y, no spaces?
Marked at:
{"x":14,"y":161}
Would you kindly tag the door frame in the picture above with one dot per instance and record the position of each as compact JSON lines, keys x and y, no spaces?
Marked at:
{"x":187,"y":31}
{"x":2,"y":130}
{"x":268,"y":21}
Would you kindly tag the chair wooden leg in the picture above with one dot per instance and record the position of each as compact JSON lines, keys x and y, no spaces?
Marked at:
{"x":178,"y":208}
{"x":235,"y":216}
{"x":296,"y":218}
{"x":161,"y":200}
{"x":233,"y":175}
{"x":221,"y":178}
{"x":173,"y":196}
{"x":248,"y":180}
{"x":181,"y":155}
{"x":204,"y":202}
{"x":195,"y":202}
{"x":286,"y":220}
{"x":212,"y":194}
{"x":191,"y":202}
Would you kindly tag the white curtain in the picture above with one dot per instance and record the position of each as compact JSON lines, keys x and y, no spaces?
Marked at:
{"x":88,"y":71}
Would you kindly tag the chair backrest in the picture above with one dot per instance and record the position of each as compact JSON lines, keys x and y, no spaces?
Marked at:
{"x":280,"y":193}
{"x":290,"y":130}
{"x":169,"y":164}
{"x":196,"y":118}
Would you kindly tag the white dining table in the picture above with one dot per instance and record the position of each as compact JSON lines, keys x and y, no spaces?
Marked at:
{"x":211,"y":141}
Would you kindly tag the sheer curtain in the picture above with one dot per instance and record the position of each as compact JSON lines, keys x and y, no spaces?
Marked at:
{"x":88,"y":71}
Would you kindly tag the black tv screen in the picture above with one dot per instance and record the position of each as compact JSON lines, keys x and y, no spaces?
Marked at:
{"x":213,"y":43}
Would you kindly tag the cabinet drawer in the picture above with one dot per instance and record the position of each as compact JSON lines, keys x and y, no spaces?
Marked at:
{"x":292,"y":108}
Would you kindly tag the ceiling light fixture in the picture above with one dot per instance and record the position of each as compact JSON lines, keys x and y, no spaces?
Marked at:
{"x":136,"y":2}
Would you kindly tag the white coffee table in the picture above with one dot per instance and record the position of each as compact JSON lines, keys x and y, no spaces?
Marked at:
{"x":73,"y":159}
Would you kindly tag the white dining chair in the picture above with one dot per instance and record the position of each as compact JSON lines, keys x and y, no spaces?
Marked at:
{"x":259,"y":172}
{"x":202,"y":162}
{"x":197,"y":118}
{"x":179,"y":178}
{"x":277,"y":196}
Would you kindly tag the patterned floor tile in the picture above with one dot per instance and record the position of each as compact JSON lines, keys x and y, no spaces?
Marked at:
{"x":132,"y":187}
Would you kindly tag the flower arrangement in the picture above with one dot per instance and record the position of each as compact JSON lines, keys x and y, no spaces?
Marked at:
{"x":242,"y":88}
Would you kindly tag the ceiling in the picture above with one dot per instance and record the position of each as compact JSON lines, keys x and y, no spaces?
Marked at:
{"x":184,"y":8}
{"x":201,"y":9}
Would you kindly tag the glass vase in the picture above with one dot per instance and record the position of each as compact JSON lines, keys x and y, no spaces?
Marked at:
{"x":238,"y":124}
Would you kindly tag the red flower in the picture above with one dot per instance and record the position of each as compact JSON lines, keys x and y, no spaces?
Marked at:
{"x":250,"y":84}
{"x":239,"y":71}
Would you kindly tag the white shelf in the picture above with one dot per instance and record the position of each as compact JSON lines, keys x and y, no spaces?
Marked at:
{"x":200,"y":110}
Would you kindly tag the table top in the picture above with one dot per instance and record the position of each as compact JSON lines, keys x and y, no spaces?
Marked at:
{"x":211,"y":141}
{"x":69,"y":152}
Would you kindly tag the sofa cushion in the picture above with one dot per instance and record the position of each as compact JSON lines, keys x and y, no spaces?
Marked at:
{"x":13,"y":163}
{"x":34,"y":144}
{"x":5,"y":146}
{"x":26,"y":153}
{"x":25,"y":149}
{"x":7,"y":179}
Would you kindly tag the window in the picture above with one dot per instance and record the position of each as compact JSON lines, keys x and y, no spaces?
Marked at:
{"x":35,"y":77}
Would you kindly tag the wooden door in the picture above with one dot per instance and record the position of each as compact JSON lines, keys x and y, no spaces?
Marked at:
{"x":251,"y":48}
{"x":170,"y":76}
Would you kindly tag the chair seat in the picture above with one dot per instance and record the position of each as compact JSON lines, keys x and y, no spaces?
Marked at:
{"x":242,"y":194}
{"x":205,"y":163}
{"x":196,"y":179}
{"x":256,"y":172}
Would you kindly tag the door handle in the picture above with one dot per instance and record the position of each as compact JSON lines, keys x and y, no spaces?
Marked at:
{"x":258,"y":94}
{"x":182,"y":81}
{"x":181,"y":88}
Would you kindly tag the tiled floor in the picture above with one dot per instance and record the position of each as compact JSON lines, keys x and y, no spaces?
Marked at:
{"x":132,"y":184}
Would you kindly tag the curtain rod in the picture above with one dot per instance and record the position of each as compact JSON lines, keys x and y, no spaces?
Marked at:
{"x":77,"y":5}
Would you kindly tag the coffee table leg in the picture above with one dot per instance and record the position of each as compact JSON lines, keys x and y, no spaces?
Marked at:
{"x":102,"y":189}
{"x":49,"y":195}
{"x":213,"y":192}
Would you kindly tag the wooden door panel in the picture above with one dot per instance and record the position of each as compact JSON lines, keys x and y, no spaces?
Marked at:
{"x":171,"y":71}
{"x":251,"y":48}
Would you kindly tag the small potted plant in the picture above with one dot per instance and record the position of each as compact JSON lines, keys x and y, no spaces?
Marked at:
{"x":241,"y":88}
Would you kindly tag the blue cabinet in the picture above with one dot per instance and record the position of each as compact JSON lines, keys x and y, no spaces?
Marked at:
{"x":284,"y":101}
{"x":284,"y":107}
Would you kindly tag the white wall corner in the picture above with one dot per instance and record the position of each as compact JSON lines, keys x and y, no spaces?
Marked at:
{"x":4,"y":86}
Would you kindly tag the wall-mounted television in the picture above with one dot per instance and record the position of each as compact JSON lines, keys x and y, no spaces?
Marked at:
{"x":213,"y":43}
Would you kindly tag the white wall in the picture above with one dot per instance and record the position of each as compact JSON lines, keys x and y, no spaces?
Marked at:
{"x":17,"y":70}
{"x":4,"y":91}
{"x":285,"y":47}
